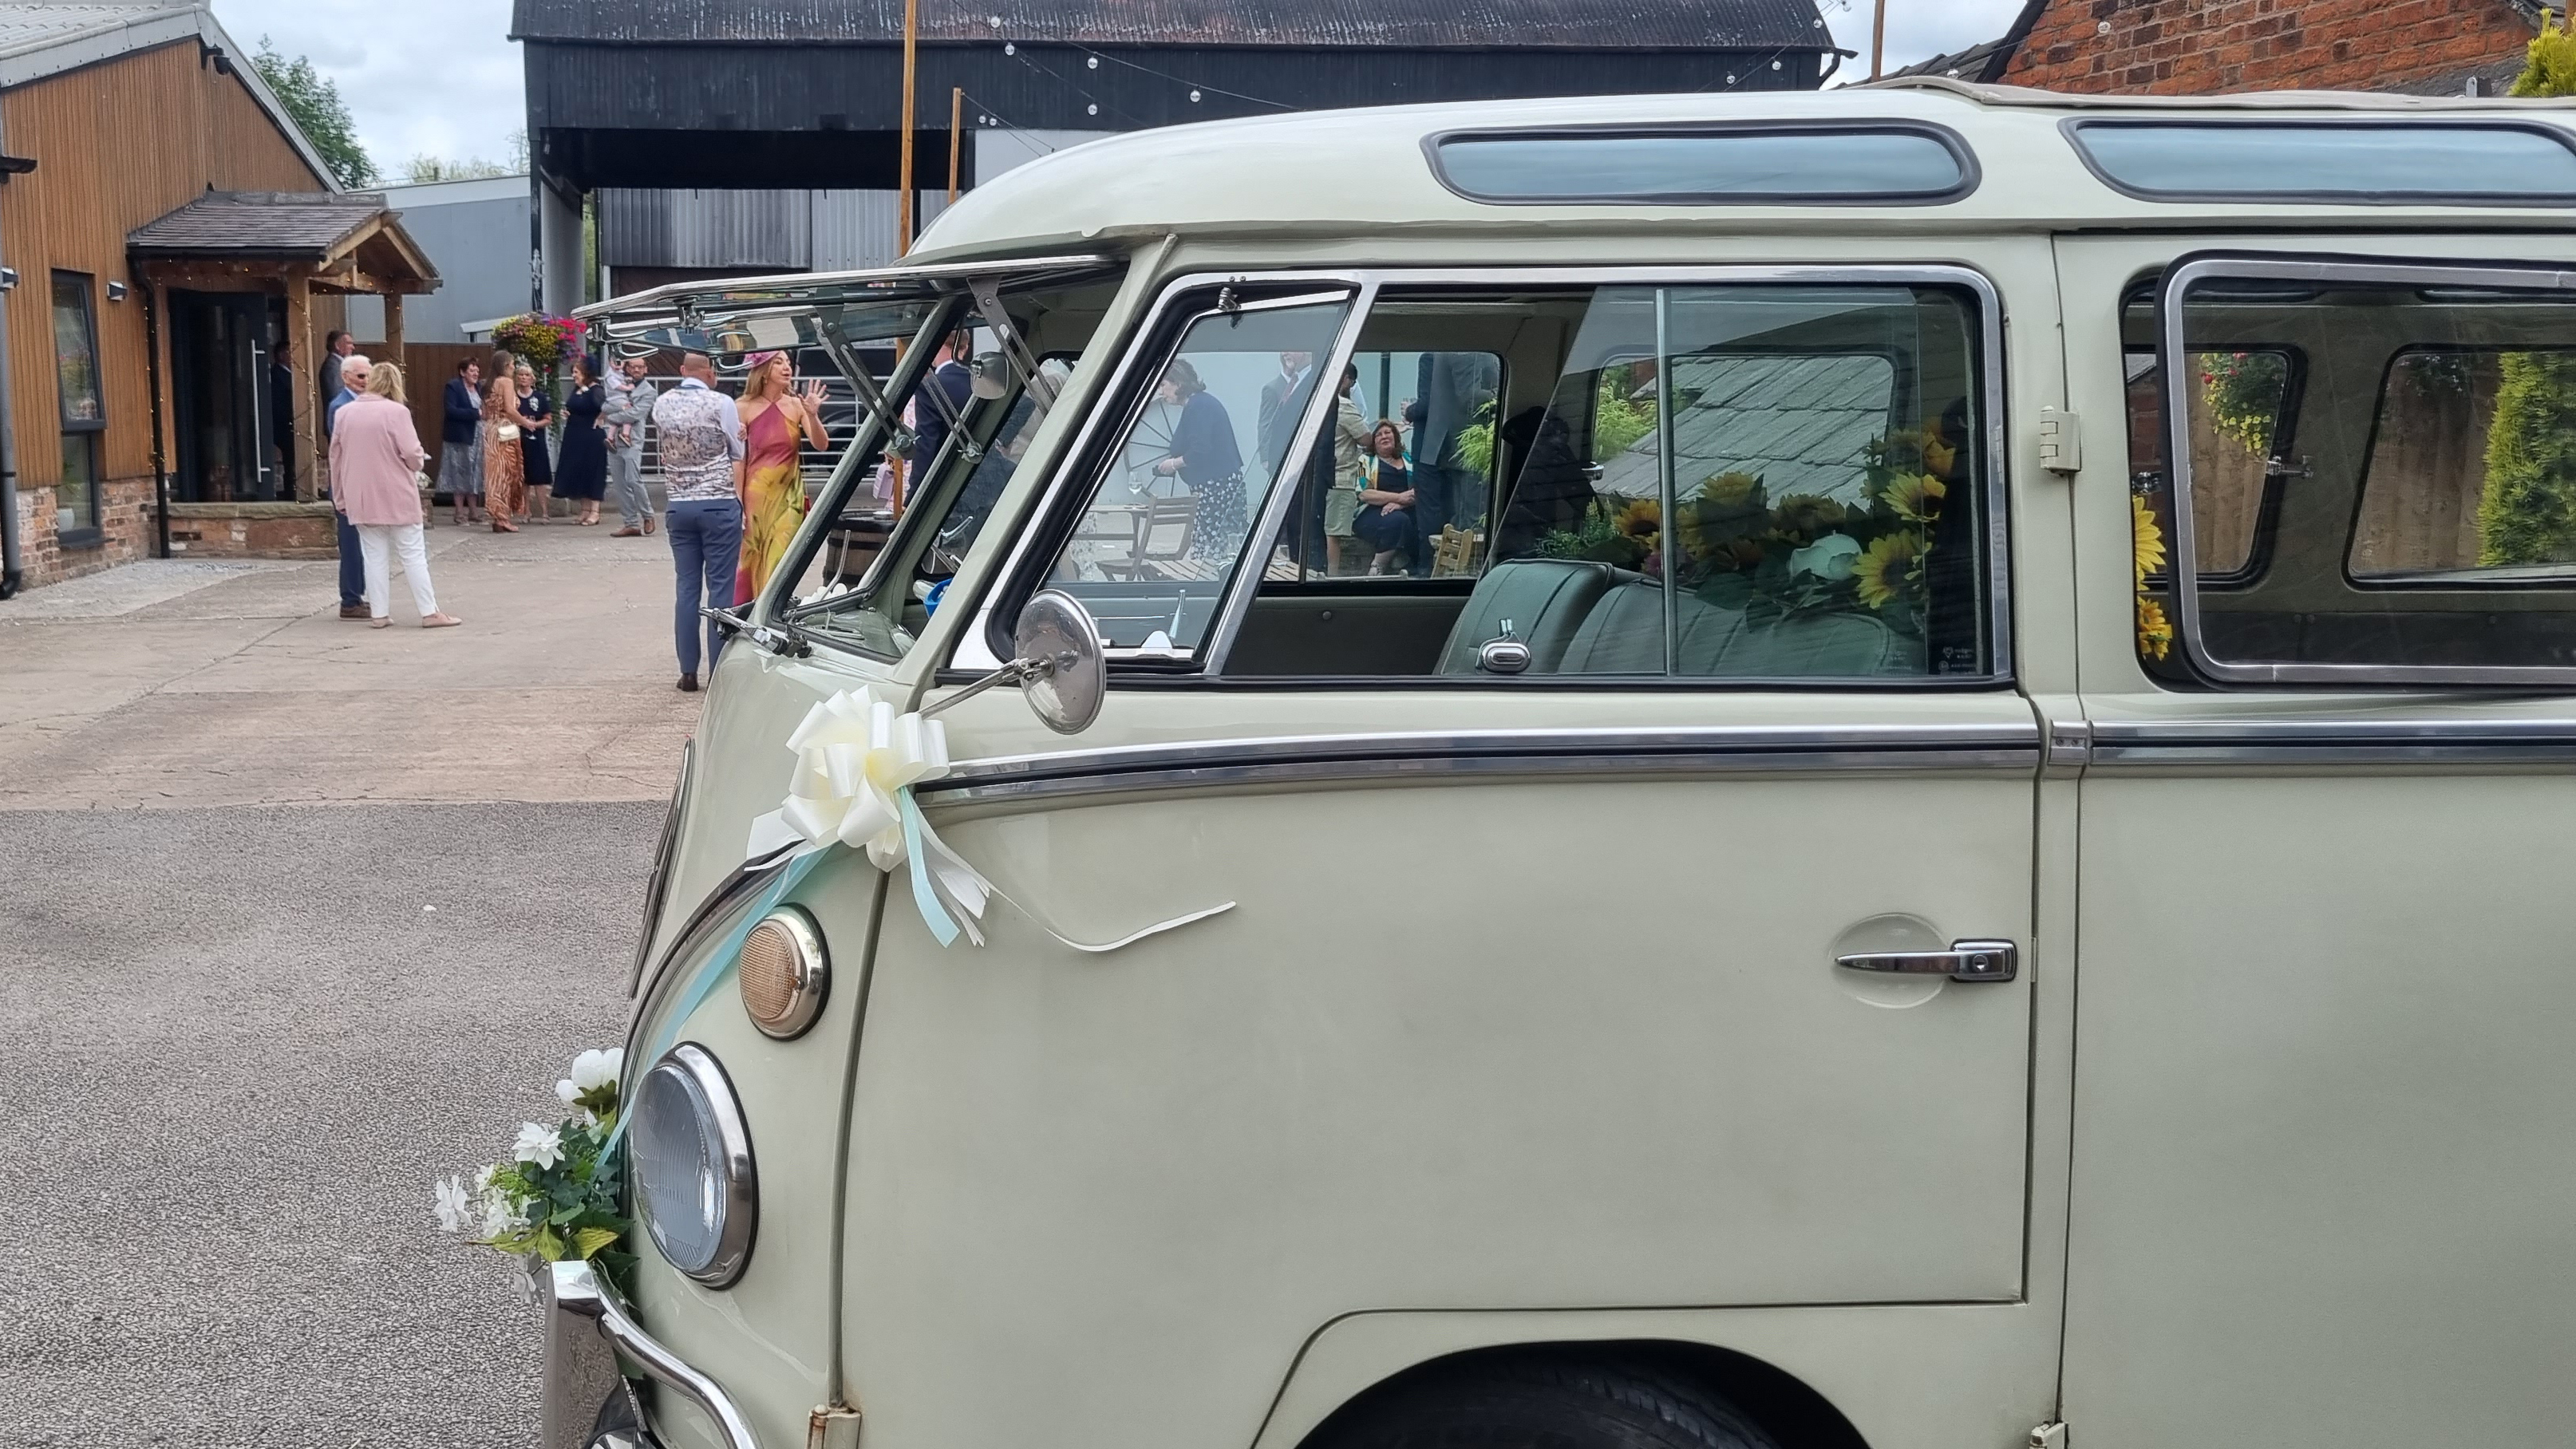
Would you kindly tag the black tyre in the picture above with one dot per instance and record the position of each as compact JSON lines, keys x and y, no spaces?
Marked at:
{"x":1541,"y":1402}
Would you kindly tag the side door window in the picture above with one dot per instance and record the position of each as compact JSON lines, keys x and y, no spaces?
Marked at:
{"x":1818,"y":451}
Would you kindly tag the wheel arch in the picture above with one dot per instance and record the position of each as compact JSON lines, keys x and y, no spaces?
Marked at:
{"x":1321,"y":1392}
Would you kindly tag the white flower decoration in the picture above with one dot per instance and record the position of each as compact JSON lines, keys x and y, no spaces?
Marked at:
{"x":538,"y":1144}
{"x":450,"y":1204}
{"x":1833,"y":558}
{"x":499,"y":1218}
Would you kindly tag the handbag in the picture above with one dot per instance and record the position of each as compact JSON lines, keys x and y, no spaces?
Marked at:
{"x":506,"y":432}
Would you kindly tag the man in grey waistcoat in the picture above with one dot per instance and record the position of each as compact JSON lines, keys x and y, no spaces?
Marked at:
{"x":630,"y":406}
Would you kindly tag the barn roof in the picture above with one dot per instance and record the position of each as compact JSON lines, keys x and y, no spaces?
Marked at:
{"x":1408,"y":24}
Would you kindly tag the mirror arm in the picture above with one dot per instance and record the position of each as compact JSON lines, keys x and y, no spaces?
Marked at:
{"x":1016,"y":672}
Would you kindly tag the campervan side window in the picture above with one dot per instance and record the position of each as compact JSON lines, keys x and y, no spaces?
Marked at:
{"x":1882,"y":165}
{"x":2364,"y":163}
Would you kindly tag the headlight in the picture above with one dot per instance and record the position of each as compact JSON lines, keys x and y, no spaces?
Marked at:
{"x":691,"y":1160}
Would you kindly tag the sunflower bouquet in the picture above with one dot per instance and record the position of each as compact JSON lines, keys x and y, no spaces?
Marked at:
{"x":1738,"y":548}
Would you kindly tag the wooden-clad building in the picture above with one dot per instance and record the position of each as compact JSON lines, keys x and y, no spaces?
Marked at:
{"x":129,"y":375}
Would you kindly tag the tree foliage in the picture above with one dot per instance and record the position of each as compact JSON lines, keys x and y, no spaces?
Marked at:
{"x":313,"y":102}
{"x":2528,"y":511}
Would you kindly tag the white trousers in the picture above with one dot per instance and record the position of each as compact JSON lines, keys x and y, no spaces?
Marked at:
{"x":375,"y":540}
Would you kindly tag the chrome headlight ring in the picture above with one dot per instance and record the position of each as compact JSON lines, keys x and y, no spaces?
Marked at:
{"x":690,"y":1167}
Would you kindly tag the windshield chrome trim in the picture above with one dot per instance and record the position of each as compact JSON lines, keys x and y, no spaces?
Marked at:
{"x":727,"y":899}
{"x":793,"y":287}
{"x":2183,"y":566}
{"x":1716,"y":749}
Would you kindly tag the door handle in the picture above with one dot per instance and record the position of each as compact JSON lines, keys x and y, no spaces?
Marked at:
{"x":1964,"y":961}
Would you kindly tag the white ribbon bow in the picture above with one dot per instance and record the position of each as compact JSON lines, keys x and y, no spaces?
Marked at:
{"x":856,"y":763}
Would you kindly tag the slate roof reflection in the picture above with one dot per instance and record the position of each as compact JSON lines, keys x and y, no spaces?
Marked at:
{"x":1801,"y":424}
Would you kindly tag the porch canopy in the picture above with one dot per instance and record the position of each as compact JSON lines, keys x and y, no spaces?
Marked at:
{"x":290,"y":244}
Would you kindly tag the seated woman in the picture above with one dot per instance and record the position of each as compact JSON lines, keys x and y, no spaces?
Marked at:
{"x":1385,"y":519}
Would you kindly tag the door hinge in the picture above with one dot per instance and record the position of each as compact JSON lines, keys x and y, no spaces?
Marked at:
{"x":2051,"y":1435}
{"x":2061,"y":440}
{"x":833,"y":1426}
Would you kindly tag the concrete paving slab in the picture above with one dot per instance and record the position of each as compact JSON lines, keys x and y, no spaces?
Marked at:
{"x":124,"y":590}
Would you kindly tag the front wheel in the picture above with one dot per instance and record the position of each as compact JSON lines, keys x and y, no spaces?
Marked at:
{"x":1541,"y":1402}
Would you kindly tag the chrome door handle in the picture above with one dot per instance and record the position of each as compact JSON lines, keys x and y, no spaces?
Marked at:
{"x":1964,"y":961}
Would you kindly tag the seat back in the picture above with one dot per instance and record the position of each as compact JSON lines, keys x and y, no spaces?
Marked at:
{"x":1545,"y":600}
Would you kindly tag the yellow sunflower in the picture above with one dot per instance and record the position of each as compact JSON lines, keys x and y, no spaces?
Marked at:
{"x":1916,"y":497}
{"x":2148,"y":539}
{"x":1731,"y":492}
{"x":1938,"y":455}
{"x":1802,"y":516}
{"x":1641,"y":520}
{"x":1886,"y":566}
{"x":1725,"y":497}
{"x":2155,"y":633}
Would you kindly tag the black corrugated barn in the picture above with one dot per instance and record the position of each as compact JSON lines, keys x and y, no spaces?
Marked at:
{"x":660,"y":96}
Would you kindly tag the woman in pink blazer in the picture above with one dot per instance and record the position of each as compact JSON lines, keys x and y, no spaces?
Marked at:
{"x":375,"y":457}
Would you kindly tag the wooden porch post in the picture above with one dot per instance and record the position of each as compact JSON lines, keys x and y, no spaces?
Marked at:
{"x":394,"y":331}
{"x":308,"y":408}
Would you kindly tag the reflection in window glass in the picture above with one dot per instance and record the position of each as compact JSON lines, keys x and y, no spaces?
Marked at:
{"x":83,"y":413}
{"x":1167,"y":525}
{"x":2342,"y":161}
{"x":2237,"y":399}
{"x":2447,"y":494}
{"x":2428,"y":519}
{"x":1814,"y":449}
{"x":1707,"y":166}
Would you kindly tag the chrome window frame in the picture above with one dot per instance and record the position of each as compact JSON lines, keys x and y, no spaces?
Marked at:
{"x":983,"y":645}
{"x":2183,"y":563}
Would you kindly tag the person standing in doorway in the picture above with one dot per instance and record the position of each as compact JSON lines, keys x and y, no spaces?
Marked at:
{"x":502,"y":456}
{"x":774,"y":417}
{"x":335,"y":350}
{"x":536,"y":472}
{"x":581,"y":473}
{"x":351,"y":371}
{"x":630,"y":406}
{"x":375,"y":462}
{"x":460,"y":441}
{"x":702,"y":457}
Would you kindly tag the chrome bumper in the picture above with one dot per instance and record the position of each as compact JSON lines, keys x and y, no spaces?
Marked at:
{"x":588,"y":1328}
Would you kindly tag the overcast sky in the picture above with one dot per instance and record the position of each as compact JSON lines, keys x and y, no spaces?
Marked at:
{"x":441,"y":78}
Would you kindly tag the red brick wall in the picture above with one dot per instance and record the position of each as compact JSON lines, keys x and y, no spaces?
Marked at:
{"x":125,"y":518}
{"x":2196,"y":47}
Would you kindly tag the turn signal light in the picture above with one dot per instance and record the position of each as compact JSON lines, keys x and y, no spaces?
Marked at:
{"x":785,"y":973}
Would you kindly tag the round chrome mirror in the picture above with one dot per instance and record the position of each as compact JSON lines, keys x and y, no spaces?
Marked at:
{"x":992,"y":377}
{"x":1070,"y":675}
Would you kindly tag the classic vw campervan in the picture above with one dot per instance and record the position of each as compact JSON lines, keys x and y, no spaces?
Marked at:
{"x":1891,"y":769}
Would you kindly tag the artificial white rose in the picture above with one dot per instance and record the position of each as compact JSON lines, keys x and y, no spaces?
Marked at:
{"x":450,"y":1200}
{"x":538,"y":1144}
{"x":593,"y":1070}
{"x":499,"y":1219}
{"x":483,"y":1179}
{"x":1832,"y":558}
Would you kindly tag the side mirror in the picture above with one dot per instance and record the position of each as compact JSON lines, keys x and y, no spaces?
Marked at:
{"x":1060,"y":669}
{"x":992,"y":377}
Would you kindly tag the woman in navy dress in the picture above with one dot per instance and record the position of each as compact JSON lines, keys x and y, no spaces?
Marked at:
{"x":1205,"y":456}
{"x":535,"y":411}
{"x":581,"y":471}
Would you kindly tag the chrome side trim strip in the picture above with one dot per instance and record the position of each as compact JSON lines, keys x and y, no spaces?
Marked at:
{"x":2337,"y":742}
{"x":579,"y":1295}
{"x":1708,"y":750}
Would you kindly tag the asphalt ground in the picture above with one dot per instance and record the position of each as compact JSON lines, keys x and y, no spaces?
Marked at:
{"x":295,"y":917}
{"x":240,"y":1044}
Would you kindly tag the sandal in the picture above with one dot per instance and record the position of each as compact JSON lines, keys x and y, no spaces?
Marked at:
{"x":441,"y":621}
{"x":380,"y":623}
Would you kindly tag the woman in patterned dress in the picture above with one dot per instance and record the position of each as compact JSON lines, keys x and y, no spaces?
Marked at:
{"x":503,"y":458}
{"x":773,"y":485}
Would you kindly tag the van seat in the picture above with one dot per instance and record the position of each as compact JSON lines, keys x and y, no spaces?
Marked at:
{"x":1625,"y":635}
{"x":1545,"y":600}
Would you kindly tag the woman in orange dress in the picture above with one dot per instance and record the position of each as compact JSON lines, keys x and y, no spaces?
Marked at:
{"x":503,"y":459}
{"x":774,"y":413}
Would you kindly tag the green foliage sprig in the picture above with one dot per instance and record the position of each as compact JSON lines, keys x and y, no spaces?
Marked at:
{"x":558,"y":1195}
{"x":312,"y":101}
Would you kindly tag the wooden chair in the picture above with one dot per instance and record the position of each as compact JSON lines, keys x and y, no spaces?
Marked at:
{"x":1162,"y":536}
{"x":1453,"y":552}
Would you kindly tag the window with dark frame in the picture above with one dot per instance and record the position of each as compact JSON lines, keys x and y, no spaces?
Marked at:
{"x":78,"y":505}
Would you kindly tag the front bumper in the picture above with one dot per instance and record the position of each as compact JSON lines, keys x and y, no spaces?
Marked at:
{"x":588,"y":1330}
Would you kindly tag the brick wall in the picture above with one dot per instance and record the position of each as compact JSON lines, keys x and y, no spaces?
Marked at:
{"x":2196,"y":47}
{"x":126,"y":520}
